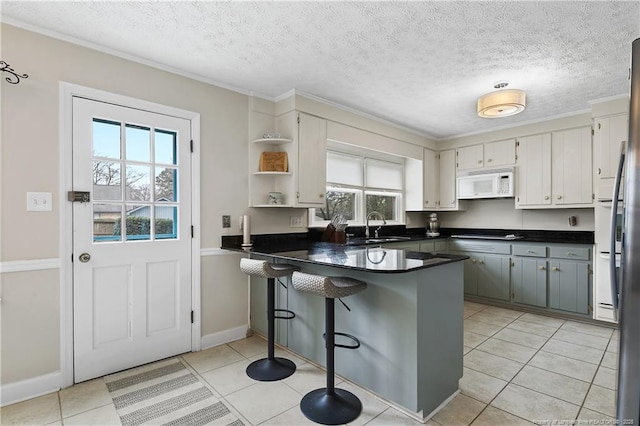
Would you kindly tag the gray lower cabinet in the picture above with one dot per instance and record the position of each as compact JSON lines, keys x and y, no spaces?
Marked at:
{"x":493,"y":276}
{"x":569,"y":286}
{"x":545,"y":275}
{"x":529,"y":281}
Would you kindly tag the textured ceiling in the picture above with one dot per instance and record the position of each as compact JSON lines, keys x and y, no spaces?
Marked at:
{"x":421,"y":65}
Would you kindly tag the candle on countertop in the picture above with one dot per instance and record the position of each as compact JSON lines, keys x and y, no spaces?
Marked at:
{"x":246,"y":230}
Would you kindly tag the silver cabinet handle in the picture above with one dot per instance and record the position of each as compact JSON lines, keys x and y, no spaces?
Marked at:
{"x":542,"y":268}
{"x":559,"y":197}
{"x":555,"y":268}
{"x":479,"y":161}
{"x":84,"y":257}
{"x":489,"y":160}
{"x":321,"y":195}
{"x":546,"y":197}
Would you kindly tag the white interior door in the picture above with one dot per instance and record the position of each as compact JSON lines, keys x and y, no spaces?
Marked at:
{"x":132,"y":240}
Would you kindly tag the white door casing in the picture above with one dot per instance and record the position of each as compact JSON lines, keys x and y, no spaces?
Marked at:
{"x":132,"y":299}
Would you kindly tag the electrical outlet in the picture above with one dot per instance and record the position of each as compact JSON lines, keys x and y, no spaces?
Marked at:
{"x":226,"y":221}
{"x":295,"y":221}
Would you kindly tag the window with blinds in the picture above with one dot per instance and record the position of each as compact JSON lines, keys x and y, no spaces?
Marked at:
{"x":358,"y":185}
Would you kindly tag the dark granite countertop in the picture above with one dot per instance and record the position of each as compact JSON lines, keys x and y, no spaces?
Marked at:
{"x":366,"y":259}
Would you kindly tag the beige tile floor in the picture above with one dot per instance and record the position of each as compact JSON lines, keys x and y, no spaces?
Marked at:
{"x":519,"y":368}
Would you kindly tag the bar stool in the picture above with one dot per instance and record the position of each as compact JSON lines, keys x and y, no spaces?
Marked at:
{"x":270,"y":368}
{"x":328,"y":405}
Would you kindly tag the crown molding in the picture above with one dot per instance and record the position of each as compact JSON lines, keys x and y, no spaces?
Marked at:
{"x":129,"y":57}
{"x":609,"y":99}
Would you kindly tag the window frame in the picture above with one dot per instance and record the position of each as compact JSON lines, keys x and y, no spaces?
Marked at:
{"x":361,"y":194}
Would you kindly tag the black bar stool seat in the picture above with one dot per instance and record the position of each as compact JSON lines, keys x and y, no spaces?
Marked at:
{"x":271,"y":368}
{"x":330,"y":405}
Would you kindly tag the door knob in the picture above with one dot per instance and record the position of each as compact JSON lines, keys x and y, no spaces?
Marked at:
{"x":84,"y":257}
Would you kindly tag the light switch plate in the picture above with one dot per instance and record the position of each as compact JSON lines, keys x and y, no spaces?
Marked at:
{"x":39,"y":202}
{"x":295,"y":222}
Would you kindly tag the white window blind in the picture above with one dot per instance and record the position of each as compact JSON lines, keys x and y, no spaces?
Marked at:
{"x":383,"y":174}
{"x":344,"y":169}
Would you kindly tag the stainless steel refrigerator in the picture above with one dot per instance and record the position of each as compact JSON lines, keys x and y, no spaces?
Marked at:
{"x":627,"y":284}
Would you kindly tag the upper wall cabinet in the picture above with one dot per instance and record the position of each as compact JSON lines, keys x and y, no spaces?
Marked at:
{"x":312,"y":161}
{"x":488,"y":155}
{"x":303,"y":182}
{"x":470,"y":157}
{"x":554,"y":170}
{"x":571,"y":173}
{"x":609,"y":133}
{"x":533,"y":180}
{"x":431,"y":179}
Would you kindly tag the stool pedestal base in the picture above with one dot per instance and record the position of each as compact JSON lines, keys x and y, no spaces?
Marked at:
{"x":269,"y":370}
{"x":330,"y":409}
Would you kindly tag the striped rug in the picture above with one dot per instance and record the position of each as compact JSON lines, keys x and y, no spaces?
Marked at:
{"x":166,"y":393}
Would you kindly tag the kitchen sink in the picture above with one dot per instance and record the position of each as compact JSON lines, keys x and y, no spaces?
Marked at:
{"x":386,"y":239}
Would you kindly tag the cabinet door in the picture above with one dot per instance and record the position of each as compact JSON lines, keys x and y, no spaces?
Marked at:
{"x":500,"y":153}
{"x":312,"y":161}
{"x":471,"y":274}
{"x":493,"y":277}
{"x":609,"y":132}
{"x":447,"y":179}
{"x":529,"y":281}
{"x":428,"y":247}
{"x":431,"y":179}
{"x":569,"y":286}
{"x":571,"y":167}
{"x":534,"y":170}
{"x":470,"y":157}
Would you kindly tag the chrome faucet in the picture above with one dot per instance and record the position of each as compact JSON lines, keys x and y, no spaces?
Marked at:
{"x":369,"y":216}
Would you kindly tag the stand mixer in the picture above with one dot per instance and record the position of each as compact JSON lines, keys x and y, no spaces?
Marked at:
{"x":433,"y":226}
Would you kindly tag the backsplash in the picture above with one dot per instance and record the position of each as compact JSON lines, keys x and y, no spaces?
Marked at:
{"x":501,"y":214}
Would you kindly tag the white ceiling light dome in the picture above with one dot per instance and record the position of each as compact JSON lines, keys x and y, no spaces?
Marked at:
{"x":502,"y":103}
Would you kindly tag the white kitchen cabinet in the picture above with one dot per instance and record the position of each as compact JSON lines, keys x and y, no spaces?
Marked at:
{"x":554,"y":170}
{"x":571,"y":167}
{"x":448,"y":199}
{"x":533,"y":177}
{"x":431,"y":170}
{"x":609,"y":132}
{"x":500,"y":153}
{"x":312,"y":161}
{"x":304,"y":182}
{"x":470,"y":157}
{"x":488,"y":155}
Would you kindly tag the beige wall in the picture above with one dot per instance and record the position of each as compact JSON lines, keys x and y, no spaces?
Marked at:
{"x":30,"y":162}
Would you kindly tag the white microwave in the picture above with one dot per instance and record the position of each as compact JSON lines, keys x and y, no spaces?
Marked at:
{"x":497,"y":184}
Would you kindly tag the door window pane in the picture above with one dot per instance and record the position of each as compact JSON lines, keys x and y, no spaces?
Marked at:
{"x":138,"y":143}
{"x":166,"y":222}
{"x":165,"y":147}
{"x":107,"y":184}
{"x":166,"y":181}
{"x":384,"y":204}
{"x":107,"y":221}
{"x":138,"y":183}
{"x":106,"y":139}
{"x":138,"y":222}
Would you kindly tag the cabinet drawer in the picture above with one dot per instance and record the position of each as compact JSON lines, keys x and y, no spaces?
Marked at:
{"x":530,"y":250}
{"x":479,"y":246}
{"x":567,"y":252}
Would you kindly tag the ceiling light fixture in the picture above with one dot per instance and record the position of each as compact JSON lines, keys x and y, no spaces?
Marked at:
{"x":501,"y":103}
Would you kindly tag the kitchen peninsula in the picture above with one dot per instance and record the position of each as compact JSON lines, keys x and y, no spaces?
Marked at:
{"x":409,"y":320}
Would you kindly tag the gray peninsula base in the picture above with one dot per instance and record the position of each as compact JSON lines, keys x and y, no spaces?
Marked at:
{"x":410,"y":326}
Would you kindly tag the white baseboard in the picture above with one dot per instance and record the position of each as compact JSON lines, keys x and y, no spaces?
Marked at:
{"x":11,"y":393}
{"x":222,"y":337}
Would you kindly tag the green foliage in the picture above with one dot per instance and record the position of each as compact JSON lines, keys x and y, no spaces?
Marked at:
{"x":337,"y":203}
{"x":137,"y":225}
{"x":384,"y":205}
